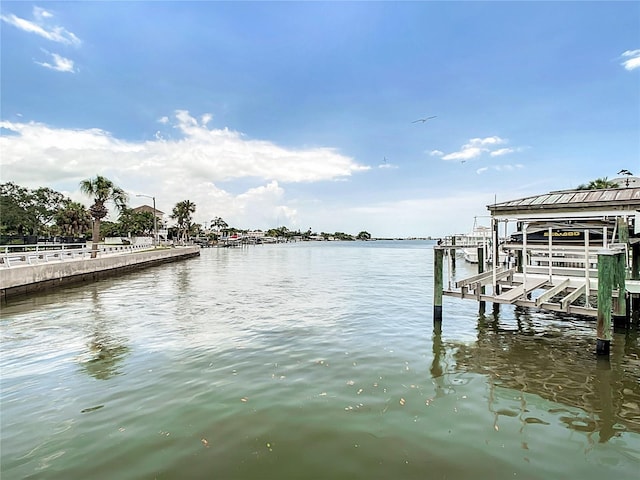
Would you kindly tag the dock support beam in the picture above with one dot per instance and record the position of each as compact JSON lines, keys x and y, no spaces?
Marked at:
{"x":438,"y":253}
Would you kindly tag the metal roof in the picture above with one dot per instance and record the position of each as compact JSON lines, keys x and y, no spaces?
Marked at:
{"x":572,"y":201}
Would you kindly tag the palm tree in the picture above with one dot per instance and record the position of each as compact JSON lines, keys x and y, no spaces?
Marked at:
{"x":598,"y":184}
{"x":220,"y":224}
{"x":102,"y":190}
{"x":182,"y":215}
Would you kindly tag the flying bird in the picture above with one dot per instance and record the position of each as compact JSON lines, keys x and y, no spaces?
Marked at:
{"x":424,"y":119}
{"x":624,"y":172}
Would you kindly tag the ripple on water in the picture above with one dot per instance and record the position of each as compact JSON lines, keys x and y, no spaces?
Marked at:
{"x":277,"y":361}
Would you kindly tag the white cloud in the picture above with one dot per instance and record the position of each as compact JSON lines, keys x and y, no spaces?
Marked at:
{"x":500,"y":168}
{"x":632,"y":59}
{"x":475,"y":147}
{"x":163,"y":120}
{"x":387,"y":165}
{"x":39,"y":27}
{"x":436,"y":153}
{"x":190,"y":167}
{"x":59,"y":64}
{"x":502,"y":151}
{"x":467,"y":153}
{"x":41,"y":13}
{"x":482,"y":142}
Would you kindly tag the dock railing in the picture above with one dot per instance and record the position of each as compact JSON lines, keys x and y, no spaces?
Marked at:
{"x":21,"y":255}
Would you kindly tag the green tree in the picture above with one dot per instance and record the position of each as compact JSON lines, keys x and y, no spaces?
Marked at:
{"x":280,"y":232}
{"x":110,"y":229}
{"x":73,"y":219}
{"x":182,"y":215}
{"x":27,"y":211}
{"x":135,"y":223}
{"x":14,"y":204}
{"x":45,"y":204}
{"x":102,"y":190}
{"x":598,"y":184}
{"x":364,"y":235}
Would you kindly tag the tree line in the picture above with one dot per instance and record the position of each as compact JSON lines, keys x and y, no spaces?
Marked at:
{"x":46,"y":213}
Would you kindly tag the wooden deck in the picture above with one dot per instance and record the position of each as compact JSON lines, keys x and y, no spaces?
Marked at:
{"x":533,"y":290}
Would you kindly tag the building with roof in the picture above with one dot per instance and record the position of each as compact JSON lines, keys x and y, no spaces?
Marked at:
{"x":163,"y":231}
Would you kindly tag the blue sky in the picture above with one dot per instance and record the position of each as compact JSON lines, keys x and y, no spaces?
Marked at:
{"x":303,"y":114}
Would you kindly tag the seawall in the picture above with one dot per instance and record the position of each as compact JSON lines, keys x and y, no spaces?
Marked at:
{"x":33,"y":278}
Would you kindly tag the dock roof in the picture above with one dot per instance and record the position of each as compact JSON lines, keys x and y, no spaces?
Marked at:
{"x":571,"y":203}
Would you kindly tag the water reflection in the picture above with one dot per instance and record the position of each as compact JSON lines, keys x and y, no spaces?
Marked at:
{"x":555,"y":361}
{"x":105,"y":351}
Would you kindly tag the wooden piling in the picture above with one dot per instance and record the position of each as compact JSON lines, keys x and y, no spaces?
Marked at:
{"x":620,"y":317}
{"x":606,"y":276}
{"x":623,"y":230}
{"x":452,"y":253}
{"x":438,"y":254}
{"x":482,"y":303}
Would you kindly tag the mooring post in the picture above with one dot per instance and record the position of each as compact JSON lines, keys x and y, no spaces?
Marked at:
{"x":437,"y":284}
{"x":606,"y":276}
{"x":635,"y":275}
{"x":452,"y":253}
{"x":482,"y":304}
{"x":620,"y":316}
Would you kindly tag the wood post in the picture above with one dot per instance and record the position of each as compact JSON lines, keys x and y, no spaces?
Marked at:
{"x":611,"y":275}
{"x":437,"y":284}
{"x":635,"y":261}
{"x":620,"y":317}
{"x":452,"y":253}
{"x":482,"y":304}
{"x":623,"y":230}
{"x":606,"y":275}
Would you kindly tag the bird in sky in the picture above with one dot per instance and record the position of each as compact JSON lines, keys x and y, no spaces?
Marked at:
{"x":624,"y":172}
{"x":424,"y":119}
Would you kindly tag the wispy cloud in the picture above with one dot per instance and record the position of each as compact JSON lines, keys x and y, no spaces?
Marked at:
{"x":632,"y":59}
{"x":387,"y":165}
{"x":436,"y":153}
{"x":60,"y":63}
{"x":500,"y":168}
{"x":474,"y":148}
{"x":40,"y":26}
{"x":502,"y":151}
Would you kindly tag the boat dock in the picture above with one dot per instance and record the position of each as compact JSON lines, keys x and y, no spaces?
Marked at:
{"x":575,"y":252}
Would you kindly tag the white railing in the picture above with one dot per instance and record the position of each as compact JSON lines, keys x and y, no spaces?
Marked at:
{"x":20,"y":255}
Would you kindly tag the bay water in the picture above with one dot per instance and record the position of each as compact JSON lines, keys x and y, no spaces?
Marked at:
{"x":307,"y":360}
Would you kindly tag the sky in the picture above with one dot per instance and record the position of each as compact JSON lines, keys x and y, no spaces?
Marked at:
{"x":308,"y":114}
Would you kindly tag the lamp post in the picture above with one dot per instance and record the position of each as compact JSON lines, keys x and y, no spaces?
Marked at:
{"x":155,"y":219}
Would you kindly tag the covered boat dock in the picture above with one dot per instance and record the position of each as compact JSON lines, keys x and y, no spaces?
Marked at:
{"x":571,"y":251}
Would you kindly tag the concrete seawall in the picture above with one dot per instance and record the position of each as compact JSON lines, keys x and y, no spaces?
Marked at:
{"x":32,"y":278}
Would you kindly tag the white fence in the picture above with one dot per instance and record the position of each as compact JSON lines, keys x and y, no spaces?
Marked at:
{"x":19,"y":255}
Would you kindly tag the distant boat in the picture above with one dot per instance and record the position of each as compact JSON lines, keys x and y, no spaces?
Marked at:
{"x":479,"y":237}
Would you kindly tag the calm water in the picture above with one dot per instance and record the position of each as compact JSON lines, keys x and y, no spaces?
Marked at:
{"x":313,"y":360}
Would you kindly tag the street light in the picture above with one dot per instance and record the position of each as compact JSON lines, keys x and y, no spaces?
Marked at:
{"x":155,"y":219}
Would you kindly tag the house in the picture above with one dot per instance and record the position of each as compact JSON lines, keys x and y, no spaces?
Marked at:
{"x":163,"y":232}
